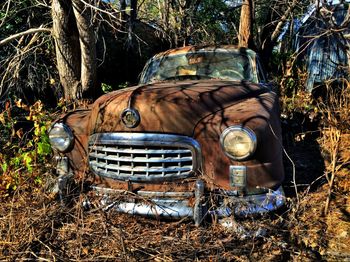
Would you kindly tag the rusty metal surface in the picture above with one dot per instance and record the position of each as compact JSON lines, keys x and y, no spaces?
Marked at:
{"x":185,"y":185}
{"x":170,"y":107}
{"x":200,"y":109}
{"x":260,"y":114}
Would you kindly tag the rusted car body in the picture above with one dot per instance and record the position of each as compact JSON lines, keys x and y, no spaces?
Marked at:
{"x":187,"y":141}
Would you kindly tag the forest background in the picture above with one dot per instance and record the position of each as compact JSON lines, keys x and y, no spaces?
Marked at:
{"x":56,"y":55}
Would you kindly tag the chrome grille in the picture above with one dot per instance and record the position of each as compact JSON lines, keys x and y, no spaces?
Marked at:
{"x":143,"y":157}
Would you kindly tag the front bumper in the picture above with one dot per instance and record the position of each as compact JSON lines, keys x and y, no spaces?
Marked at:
{"x":195,"y":205}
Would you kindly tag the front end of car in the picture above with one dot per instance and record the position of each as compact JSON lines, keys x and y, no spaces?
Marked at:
{"x":199,"y":137}
{"x":176,"y":161}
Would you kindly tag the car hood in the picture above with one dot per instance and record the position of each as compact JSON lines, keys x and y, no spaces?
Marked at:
{"x":169,"y":107}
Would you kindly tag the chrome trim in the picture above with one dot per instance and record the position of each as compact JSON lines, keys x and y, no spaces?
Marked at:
{"x":161,"y":161}
{"x":251,"y":204}
{"x":158,"y":208}
{"x":199,"y":208}
{"x":62,"y":165}
{"x":103,"y":190}
{"x":130,"y":117}
{"x":248,"y":131}
{"x":147,"y":203}
{"x":177,"y":204}
{"x":67,"y":130}
{"x":64,"y":178}
{"x":238,"y":177}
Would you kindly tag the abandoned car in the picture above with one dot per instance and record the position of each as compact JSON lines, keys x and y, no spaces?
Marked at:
{"x":200,"y":135}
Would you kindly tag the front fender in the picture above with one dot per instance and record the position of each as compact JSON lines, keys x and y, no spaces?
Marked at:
{"x":265,"y":166}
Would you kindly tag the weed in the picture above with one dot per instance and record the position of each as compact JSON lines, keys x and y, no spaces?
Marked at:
{"x":25,"y":145}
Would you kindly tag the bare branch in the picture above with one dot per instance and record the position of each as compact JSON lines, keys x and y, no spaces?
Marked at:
{"x":27,"y":32}
{"x":283,"y":19}
{"x":101,"y":10}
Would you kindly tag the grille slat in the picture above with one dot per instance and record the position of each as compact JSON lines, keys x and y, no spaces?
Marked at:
{"x":143,"y":157}
{"x":110,"y":149}
{"x":141,"y":169}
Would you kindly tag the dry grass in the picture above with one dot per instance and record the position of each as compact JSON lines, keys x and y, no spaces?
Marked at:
{"x":35,"y":226}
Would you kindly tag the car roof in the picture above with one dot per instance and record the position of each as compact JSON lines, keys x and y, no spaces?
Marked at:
{"x":189,"y":49}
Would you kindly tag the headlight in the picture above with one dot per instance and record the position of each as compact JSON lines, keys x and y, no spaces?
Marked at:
{"x":238,"y":142}
{"x":61,"y":137}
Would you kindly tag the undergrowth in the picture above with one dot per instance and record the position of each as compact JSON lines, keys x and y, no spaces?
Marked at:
{"x":25,"y":148}
{"x":34,"y":225}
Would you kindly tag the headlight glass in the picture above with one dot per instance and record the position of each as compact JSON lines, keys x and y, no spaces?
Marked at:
{"x":61,"y":137}
{"x":238,"y":142}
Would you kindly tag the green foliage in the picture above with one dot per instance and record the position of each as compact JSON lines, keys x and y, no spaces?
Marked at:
{"x":26,"y":151}
{"x":108,"y":88}
{"x":215,"y":23}
{"x":123,"y":85}
{"x":197,"y":22}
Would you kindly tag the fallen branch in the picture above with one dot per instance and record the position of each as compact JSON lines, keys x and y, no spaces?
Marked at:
{"x":27,"y":32}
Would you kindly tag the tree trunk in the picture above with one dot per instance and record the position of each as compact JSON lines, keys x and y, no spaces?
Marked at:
{"x":87,"y":42}
{"x":75,"y":48}
{"x":131,"y":25}
{"x":245,"y":37}
{"x":67,"y":47}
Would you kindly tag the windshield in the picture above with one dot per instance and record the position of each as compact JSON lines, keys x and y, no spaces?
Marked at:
{"x":225,"y":65}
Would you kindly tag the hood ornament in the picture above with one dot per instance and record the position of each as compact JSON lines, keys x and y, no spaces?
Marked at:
{"x":130,"y":117}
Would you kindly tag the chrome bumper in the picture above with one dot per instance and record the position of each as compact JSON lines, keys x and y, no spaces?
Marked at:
{"x":253,"y":204}
{"x":177,"y":204}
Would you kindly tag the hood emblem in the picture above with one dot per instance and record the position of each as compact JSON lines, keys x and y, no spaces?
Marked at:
{"x":130,"y":117}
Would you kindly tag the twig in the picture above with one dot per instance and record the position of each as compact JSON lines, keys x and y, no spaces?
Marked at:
{"x":291,"y":161}
{"x":101,"y":10}
{"x":335,"y":138}
{"x":6,"y":13}
{"x":124,"y":255}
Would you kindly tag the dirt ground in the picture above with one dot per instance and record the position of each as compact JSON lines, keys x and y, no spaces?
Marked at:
{"x":35,"y":226}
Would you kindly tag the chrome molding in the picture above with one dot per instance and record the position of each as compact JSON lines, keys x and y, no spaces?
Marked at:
{"x":147,"y":203}
{"x":130,"y":117}
{"x":177,"y":204}
{"x":158,"y":208}
{"x":245,"y":129}
{"x":143,"y":157}
{"x":199,"y":208}
{"x":251,"y":204}
{"x":147,"y":194}
{"x":67,"y":131}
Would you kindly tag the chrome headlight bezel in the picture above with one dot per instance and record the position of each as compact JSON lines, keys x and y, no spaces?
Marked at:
{"x":67,"y":136}
{"x":247,"y":131}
